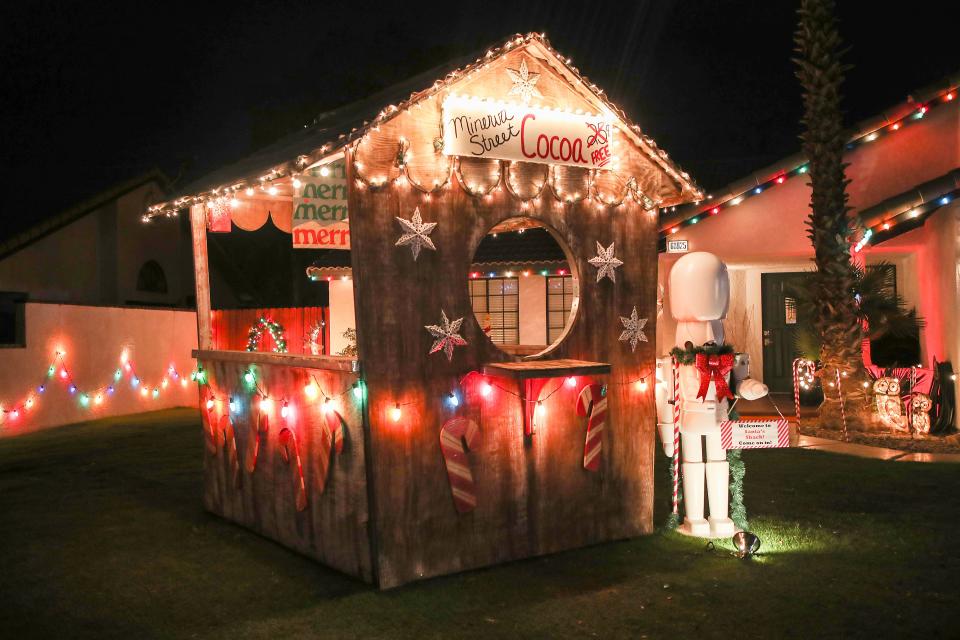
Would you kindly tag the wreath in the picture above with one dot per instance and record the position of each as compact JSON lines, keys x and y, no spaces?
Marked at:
{"x":276,"y":332}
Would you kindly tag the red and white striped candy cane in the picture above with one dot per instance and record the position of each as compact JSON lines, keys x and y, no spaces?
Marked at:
{"x":843,"y":413}
{"x":331,"y":437}
{"x":229,"y":440}
{"x":676,"y":435}
{"x":453,"y":434}
{"x":592,"y":404}
{"x":796,"y":389}
{"x":258,"y":434}
{"x":210,"y":437}
{"x":288,"y":441}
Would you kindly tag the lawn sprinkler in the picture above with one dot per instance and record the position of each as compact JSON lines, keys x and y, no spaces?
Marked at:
{"x":746,"y":543}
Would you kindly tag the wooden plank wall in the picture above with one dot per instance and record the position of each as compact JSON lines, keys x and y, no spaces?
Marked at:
{"x":532,"y":499}
{"x":230,"y":327}
{"x":333,"y":528}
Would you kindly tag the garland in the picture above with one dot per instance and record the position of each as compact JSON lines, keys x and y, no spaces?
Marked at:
{"x":689,"y":354}
{"x":276,"y":332}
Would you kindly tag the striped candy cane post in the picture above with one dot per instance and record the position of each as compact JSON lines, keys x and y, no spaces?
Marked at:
{"x":331,"y":438}
{"x":258,"y":434}
{"x":843,"y":413}
{"x":453,"y":434}
{"x":676,"y":436}
{"x":288,"y":442}
{"x":228,"y":439}
{"x":592,"y":404}
{"x":796,"y":390}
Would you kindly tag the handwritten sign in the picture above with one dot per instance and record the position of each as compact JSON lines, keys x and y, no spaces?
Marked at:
{"x":678,"y":246}
{"x":485,"y":129}
{"x":754,"y":434}
{"x":320,"y":218}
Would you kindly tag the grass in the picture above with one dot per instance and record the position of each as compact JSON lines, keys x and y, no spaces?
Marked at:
{"x":103,"y":535}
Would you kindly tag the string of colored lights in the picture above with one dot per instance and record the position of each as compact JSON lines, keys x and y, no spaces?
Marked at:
{"x":293,"y":169}
{"x":887,"y":129}
{"x":96,"y":395}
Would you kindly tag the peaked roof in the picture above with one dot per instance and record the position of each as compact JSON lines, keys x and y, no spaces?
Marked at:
{"x":334,"y":130}
{"x":908,"y":113}
{"x":54,"y":223}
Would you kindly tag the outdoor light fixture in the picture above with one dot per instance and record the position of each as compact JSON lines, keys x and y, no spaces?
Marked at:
{"x":746,"y":543}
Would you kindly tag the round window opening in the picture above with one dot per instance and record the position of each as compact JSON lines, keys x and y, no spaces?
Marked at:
{"x":523,"y":287}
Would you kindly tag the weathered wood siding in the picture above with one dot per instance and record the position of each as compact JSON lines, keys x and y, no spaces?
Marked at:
{"x":533,"y":498}
{"x":333,"y":528}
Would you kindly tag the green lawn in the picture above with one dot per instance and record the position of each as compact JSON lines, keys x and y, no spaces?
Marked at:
{"x":103,"y":535}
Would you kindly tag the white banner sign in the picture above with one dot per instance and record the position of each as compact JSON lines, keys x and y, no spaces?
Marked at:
{"x":754,"y":434}
{"x":485,"y":129}
{"x":320,"y":209}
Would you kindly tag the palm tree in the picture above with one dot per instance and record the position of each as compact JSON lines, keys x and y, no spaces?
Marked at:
{"x":880,"y":310}
{"x":835,"y":314}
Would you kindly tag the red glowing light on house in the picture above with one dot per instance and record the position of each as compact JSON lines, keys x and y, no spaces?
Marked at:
{"x":562,"y":272}
{"x":895,"y":126}
{"x":781,"y":179}
{"x":675,"y":229}
{"x":886,"y":225}
{"x":715,"y":210}
{"x":950,"y":96}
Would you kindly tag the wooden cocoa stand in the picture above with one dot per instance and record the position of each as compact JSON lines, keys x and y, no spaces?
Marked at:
{"x":398,"y":464}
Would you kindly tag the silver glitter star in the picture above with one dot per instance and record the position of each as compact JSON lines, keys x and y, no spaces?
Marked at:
{"x":447,"y":335}
{"x":524,"y":83}
{"x":416,"y":233}
{"x":605,"y":262}
{"x":633,"y":329}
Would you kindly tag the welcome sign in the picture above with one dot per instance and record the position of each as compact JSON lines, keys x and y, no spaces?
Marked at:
{"x":486,"y":129}
{"x":320,"y":218}
{"x":754,"y":434}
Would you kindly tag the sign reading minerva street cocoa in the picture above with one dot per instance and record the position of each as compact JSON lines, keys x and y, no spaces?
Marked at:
{"x":484,"y":129}
{"x":320,"y":209}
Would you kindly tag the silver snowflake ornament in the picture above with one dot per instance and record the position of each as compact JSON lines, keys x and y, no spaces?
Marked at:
{"x":446,"y":335}
{"x":633,"y":329}
{"x":416,"y":233}
{"x":524,"y":82}
{"x":606,"y":263}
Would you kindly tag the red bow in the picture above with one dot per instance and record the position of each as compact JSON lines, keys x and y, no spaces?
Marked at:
{"x":715,"y":369}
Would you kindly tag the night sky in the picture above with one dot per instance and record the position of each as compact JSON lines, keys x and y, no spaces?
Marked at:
{"x":97,"y":93}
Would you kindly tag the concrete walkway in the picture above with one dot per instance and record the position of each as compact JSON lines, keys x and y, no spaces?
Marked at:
{"x":878,"y":453}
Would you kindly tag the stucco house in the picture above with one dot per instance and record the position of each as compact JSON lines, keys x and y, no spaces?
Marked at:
{"x":904,"y":191}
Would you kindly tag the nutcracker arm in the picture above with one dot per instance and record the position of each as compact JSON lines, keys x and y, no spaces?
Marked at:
{"x":664,"y":399}
{"x":743,"y":385}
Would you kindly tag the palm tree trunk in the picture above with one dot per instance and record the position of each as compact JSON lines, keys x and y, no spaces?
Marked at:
{"x":821,"y":76}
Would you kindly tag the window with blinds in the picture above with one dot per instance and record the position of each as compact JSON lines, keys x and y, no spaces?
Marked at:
{"x":560,"y":292}
{"x":496,"y":304}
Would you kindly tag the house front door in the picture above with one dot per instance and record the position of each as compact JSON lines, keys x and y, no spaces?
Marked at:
{"x":779,"y":329}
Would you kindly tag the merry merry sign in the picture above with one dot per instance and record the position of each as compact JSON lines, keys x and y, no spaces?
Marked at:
{"x":486,"y":129}
{"x":320,"y":209}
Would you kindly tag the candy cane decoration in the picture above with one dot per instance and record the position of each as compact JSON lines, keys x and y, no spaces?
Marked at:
{"x":258,"y":435}
{"x":676,"y":436}
{"x":454,"y":433}
{"x":228,"y":439}
{"x":210,"y":432}
{"x":843,"y":413}
{"x":796,"y":390}
{"x":331,"y":437}
{"x":288,"y":441}
{"x":592,"y":404}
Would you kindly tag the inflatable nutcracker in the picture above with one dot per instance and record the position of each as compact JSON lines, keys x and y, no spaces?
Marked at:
{"x":696,"y":384}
